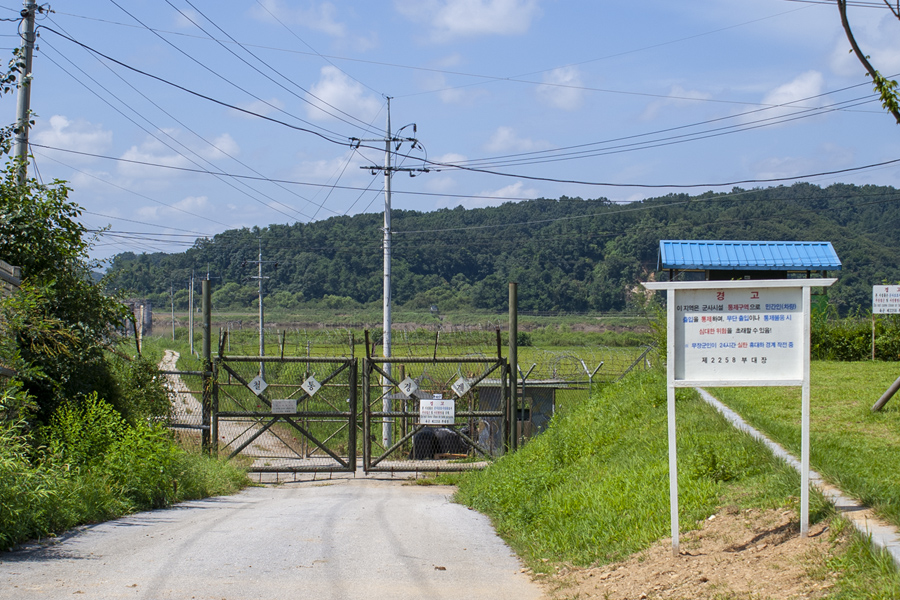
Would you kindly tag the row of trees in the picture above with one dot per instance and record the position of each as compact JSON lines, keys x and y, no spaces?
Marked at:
{"x":567,"y":254}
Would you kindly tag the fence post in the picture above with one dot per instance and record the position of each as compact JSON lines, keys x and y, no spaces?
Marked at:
{"x":513,"y":364}
{"x":354,"y":403}
{"x":207,"y":367}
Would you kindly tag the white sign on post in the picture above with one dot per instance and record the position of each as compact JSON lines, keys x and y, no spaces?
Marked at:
{"x":886,"y":299}
{"x":741,"y":333}
{"x":437,"y":412}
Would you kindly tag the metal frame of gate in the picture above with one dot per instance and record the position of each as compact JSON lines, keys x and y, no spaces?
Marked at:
{"x":473,"y":414}
{"x":266,"y":423}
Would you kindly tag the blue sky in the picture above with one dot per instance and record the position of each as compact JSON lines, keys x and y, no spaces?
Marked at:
{"x":539,"y":93}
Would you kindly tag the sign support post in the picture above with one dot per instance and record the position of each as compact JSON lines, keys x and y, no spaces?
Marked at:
{"x":741,"y":333}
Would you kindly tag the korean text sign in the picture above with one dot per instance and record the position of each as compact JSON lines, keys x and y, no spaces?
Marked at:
{"x":739,"y":334}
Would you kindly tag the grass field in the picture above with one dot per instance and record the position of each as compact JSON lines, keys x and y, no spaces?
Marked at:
{"x":852,"y":447}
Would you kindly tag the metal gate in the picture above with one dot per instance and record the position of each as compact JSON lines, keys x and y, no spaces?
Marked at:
{"x":279,"y":414}
{"x":434,"y":414}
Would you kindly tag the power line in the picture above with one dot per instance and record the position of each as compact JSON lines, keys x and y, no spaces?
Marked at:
{"x":198,"y":94}
{"x":164,"y":143}
{"x":365,"y":126}
{"x":124,"y":189}
{"x":484,"y":197}
{"x":791,"y":105}
{"x":200,"y":137}
{"x":314,"y":51}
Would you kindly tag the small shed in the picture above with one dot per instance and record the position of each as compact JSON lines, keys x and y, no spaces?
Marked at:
{"x":724,"y":260}
{"x":536,"y":406}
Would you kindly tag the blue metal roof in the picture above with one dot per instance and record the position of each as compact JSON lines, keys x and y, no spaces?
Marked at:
{"x":756,"y":256}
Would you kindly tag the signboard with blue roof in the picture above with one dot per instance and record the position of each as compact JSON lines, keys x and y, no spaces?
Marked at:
{"x":747,"y":324}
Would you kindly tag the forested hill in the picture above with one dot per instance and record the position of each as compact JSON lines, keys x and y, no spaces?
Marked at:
{"x":567,"y":255}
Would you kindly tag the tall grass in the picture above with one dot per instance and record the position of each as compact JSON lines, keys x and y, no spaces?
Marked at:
{"x":594,"y":487}
{"x":96,"y":466}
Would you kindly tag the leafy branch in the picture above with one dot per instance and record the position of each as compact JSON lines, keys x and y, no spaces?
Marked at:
{"x":886,"y":88}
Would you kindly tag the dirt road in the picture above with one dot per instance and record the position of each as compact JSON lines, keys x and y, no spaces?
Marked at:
{"x":341,"y":539}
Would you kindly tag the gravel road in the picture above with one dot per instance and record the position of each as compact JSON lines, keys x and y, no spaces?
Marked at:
{"x":338,"y":539}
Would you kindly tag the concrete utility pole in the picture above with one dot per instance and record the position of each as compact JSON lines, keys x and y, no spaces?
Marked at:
{"x":191,"y":313}
{"x":172,"y":298}
{"x":259,"y":277}
{"x":388,"y":173}
{"x":23,"y":101}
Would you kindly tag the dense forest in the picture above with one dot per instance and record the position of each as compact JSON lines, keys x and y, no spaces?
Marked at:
{"x":568,"y":254}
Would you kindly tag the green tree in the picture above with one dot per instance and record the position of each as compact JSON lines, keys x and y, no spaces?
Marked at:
{"x":59,"y":323}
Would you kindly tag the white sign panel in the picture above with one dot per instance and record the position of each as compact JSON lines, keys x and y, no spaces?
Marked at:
{"x":311,"y":386}
{"x":461,"y":387}
{"x":284,"y":407}
{"x":437,"y":412}
{"x":258,"y":385}
{"x":886,"y":299}
{"x":739,"y":334}
{"x":408,"y":387}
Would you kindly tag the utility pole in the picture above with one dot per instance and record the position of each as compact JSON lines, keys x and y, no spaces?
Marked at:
{"x":191,"y":313}
{"x":23,"y":101}
{"x":388,"y":173}
{"x":172,"y":298}
{"x":259,"y":277}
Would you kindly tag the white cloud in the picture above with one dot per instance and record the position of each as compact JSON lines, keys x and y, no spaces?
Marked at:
{"x":451,"y":159}
{"x":260,"y":107}
{"x":451,"y":19}
{"x":516,"y":190}
{"x":448,"y":93}
{"x":803,"y":86}
{"x":318,"y":16}
{"x":678,"y":96}
{"x":185,"y":18}
{"x":504,"y":139}
{"x":158,"y":152}
{"x":326,"y":169}
{"x":562,"y":88}
{"x":151,"y":151}
{"x":791,"y":97}
{"x":79,"y":135}
{"x":222,"y":147}
{"x":335,"y":90}
{"x":189,"y":204}
{"x":876,"y":33}
{"x":776,"y":167}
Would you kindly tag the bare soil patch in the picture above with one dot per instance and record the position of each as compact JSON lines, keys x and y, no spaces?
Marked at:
{"x":736,"y":554}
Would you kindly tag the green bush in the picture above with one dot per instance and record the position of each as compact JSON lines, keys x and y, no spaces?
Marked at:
{"x":80,"y":433}
{"x":96,"y":466}
{"x":850,"y":338}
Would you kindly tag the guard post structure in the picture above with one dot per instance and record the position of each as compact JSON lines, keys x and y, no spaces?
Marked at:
{"x":745,"y":325}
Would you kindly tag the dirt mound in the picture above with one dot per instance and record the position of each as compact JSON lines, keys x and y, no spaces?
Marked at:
{"x":736,"y":554}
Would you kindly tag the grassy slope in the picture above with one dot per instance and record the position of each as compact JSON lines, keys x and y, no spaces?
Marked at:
{"x":854,"y":448}
{"x":594,"y":487}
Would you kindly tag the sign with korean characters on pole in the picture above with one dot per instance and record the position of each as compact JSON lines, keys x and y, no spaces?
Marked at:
{"x":886,"y":299}
{"x":741,"y":333}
